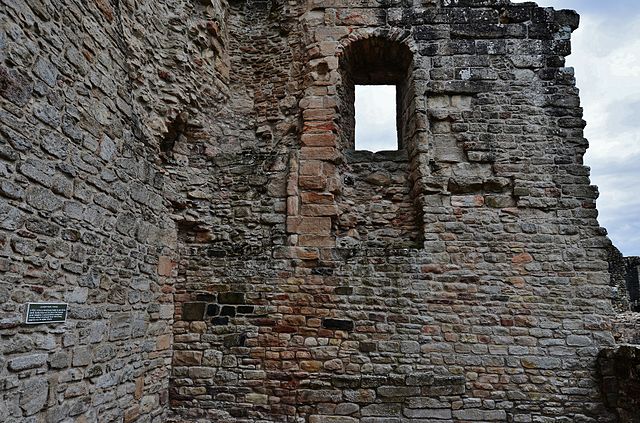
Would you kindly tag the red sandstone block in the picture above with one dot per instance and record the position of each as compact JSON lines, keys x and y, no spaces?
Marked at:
{"x":319,"y":140}
{"x":187,"y":358}
{"x":319,"y":210}
{"x":295,"y":320}
{"x":319,"y":126}
{"x":314,"y":322}
{"x":293,"y":205}
{"x":432,"y":268}
{"x":312,"y":102}
{"x":139,"y":388}
{"x":318,"y":114}
{"x":328,"y":169}
{"x":163,"y":342}
{"x":325,"y":333}
{"x":316,"y":241}
{"x":311,"y":167}
{"x":165,"y":266}
{"x":522,"y":258}
{"x":131,"y":414}
{"x":306,"y":254}
{"x":313,"y":182}
{"x":292,"y":184}
{"x":319,"y":153}
{"x":317,"y":197}
{"x":309,"y":225}
{"x":506,"y":321}
{"x":517,"y":281}
{"x":310,"y":365}
{"x":281,"y":328}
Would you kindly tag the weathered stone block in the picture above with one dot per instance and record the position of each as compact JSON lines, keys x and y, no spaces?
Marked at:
{"x":381,"y":410}
{"x":480,"y":415}
{"x":332,"y":419}
{"x":309,"y":225}
{"x":187,"y":358}
{"x":338,"y":324}
{"x":193,"y":311}
{"x":428,"y":413}
{"x":34,"y":395}
{"x":27,"y":362}
{"x":398,"y":391}
{"x":231,"y":298}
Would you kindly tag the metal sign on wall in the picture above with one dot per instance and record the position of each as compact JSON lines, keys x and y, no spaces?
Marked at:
{"x":46,"y":313}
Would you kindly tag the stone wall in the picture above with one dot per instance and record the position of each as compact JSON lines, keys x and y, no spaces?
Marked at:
{"x":626,"y":328}
{"x":632,"y":278}
{"x":621,"y":381}
{"x":463,"y":279}
{"x":91,"y":93}
{"x":182,"y":174}
{"x":80,"y":222}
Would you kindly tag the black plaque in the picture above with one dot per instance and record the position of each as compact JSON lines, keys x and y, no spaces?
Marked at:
{"x":46,"y":313}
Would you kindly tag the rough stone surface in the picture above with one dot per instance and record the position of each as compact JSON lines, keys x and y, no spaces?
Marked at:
{"x":75,"y":171}
{"x":183,"y":174}
{"x":632,"y":278}
{"x":620,"y":369}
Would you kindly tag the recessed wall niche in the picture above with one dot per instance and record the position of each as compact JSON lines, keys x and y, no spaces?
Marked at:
{"x":377,"y":206}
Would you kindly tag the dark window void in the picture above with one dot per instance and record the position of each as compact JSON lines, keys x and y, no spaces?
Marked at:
{"x":374,"y":63}
{"x":376,"y":118}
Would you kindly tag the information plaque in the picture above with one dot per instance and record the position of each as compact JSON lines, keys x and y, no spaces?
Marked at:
{"x":46,"y":313}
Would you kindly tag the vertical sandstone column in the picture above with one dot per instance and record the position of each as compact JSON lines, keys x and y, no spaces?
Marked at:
{"x":313,"y":182}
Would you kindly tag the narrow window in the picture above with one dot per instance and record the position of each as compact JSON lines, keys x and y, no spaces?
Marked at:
{"x":376,"y":118}
{"x":376,"y":94}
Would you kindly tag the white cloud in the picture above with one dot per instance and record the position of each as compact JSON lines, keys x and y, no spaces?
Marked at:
{"x":606,"y":59}
{"x":376,"y":117}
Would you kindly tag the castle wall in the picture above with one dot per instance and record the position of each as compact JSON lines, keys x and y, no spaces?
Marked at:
{"x":180,"y":173}
{"x":91,"y":92}
{"x":80,"y":222}
{"x":293,"y":305}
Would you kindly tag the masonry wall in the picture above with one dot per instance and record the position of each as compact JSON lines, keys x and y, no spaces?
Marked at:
{"x":81,"y":222}
{"x":180,"y":174}
{"x":94,"y":98}
{"x":293,"y":305}
{"x":620,"y":380}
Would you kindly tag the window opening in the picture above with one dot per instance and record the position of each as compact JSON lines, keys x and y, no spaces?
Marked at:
{"x":372,"y":64}
{"x":376,"y":118}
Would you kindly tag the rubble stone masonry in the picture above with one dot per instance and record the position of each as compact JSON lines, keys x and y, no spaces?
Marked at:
{"x":182,"y":173}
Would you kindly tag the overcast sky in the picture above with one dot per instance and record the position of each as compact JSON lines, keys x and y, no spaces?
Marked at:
{"x":606,"y":58}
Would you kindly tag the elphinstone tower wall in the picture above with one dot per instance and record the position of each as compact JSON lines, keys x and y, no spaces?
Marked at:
{"x":181,"y":175}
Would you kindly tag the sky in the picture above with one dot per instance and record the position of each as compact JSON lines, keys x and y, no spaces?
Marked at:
{"x":606,"y":59}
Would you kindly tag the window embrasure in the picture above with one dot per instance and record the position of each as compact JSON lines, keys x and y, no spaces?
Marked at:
{"x":376,"y":62}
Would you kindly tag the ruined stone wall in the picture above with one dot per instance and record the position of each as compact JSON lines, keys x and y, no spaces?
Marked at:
{"x":303,"y":294}
{"x":80,"y":222}
{"x":182,"y":174}
{"x":232,"y":227}
{"x":95,"y":96}
{"x":620,"y":370}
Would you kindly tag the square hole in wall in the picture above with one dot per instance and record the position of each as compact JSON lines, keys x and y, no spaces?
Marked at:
{"x":376,"y":118}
